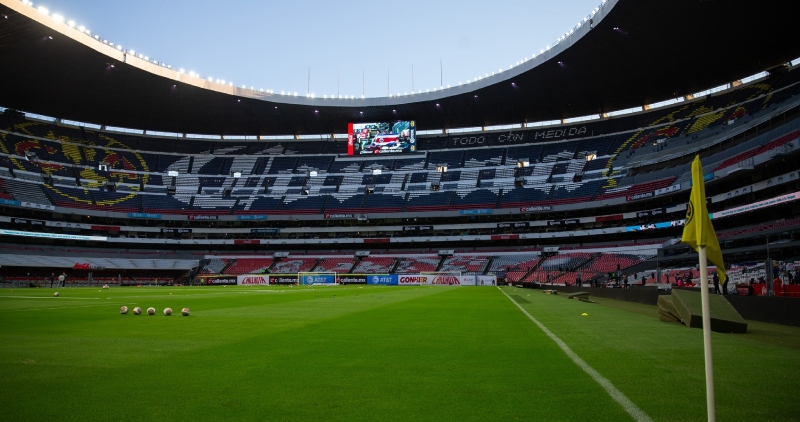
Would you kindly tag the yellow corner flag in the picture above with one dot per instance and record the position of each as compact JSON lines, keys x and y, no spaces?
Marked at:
{"x":698,"y":230}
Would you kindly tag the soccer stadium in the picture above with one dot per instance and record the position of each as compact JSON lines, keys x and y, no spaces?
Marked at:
{"x":507,"y":248}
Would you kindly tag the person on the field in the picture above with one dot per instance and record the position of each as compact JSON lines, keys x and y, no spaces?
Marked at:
{"x":716,"y":283}
{"x":725,"y":286}
{"x":579,"y":280}
{"x":62,"y":279}
{"x":52,"y":279}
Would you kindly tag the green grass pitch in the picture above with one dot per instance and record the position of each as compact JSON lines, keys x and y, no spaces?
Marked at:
{"x":374,"y":354}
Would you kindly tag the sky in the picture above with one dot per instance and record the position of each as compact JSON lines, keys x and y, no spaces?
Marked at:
{"x":352,"y":47}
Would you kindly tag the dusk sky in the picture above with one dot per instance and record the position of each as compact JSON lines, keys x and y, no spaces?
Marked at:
{"x":272,"y":44}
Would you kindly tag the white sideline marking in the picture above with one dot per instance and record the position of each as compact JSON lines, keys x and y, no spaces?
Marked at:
{"x":633,"y":410}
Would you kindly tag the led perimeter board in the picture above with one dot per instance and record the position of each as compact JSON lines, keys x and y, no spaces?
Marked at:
{"x":381,"y":138}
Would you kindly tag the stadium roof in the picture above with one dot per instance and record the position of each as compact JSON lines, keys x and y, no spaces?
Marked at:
{"x":632,"y":53}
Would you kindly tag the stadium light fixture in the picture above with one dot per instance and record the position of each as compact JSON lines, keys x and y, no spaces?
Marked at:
{"x":58,"y":18}
{"x":43,"y":10}
{"x":71,"y":24}
{"x":82,"y":28}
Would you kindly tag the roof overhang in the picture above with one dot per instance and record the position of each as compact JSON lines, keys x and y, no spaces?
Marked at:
{"x":635,"y":53}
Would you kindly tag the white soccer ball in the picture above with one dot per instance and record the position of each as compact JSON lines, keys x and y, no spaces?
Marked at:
{"x":137,"y":311}
{"x":55,"y":294}
{"x":167,"y":311}
{"x":151,"y":311}
{"x":123,"y":310}
{"x":185,"y":311}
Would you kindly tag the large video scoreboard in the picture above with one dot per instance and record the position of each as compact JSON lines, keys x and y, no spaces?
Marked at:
{"x":381,"y":138}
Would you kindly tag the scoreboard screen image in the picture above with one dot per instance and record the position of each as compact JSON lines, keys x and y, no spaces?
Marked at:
{"x":381,"y":138}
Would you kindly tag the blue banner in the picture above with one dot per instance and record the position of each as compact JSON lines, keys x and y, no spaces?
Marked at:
{"x":318,"y":279}
{"x":257,"y":231}
{"x":252,"y":217}
{"x":475,"y":212}
{"x":662,"y":225}
{"x":9,"y":202}
{"x":144,"y":215}
{"x":386,"y":280}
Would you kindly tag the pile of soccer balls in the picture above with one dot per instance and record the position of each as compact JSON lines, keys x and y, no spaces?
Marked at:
{"x":152,"y":311}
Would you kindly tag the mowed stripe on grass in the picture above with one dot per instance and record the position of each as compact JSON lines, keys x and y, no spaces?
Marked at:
{"x":388,"y":353}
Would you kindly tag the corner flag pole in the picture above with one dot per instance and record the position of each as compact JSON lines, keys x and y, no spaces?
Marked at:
{"x":698,"y":233}
{"x":709,"y":358}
